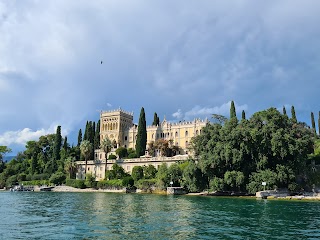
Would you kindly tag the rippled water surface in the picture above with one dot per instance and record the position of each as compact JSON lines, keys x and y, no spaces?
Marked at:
{"x":53,"y":215}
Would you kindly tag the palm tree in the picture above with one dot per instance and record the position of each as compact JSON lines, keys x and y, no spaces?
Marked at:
{"x":86,"y":148}
{"x":106,"y":146}
{"x":70,"y":166}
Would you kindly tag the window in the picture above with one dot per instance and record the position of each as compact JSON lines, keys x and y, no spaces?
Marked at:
{"x":187,"y":143}
{"x":186,"y":134}
{"x":176,"y":134}
{"x":128,"y":168}
{"x":197,"y":132}
{"x":125,"y":138}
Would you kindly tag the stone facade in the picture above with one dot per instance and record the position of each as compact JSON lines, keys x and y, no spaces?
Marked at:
{"x":118,"y":126}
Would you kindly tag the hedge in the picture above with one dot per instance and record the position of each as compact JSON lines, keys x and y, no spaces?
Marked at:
{"x":145,"y":184}
{"x":110,"y":184}
{"x":76,"y":183}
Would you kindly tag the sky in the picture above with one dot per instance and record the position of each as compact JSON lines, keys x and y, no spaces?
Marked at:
{"x":181,"y":59}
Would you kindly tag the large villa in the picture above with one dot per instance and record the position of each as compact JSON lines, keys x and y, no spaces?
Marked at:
{"x":118,"y":126}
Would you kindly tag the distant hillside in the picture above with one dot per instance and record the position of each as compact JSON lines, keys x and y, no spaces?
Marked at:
{"x":8,"y":158}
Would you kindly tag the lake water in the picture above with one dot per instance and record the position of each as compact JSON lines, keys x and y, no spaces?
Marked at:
{"x":54,"y":215}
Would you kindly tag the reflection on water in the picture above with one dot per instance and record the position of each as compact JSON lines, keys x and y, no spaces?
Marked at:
{"x":46,"y":215}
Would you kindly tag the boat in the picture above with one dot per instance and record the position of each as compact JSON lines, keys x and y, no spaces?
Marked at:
{"x":46,"y":188}
{"x":21,"y":188}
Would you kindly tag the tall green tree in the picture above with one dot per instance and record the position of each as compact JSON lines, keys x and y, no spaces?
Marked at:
{"x":65,"y":143}
{"x":293,"y":115}
{"x":79,"y":137}
{"x":97,"y":136}
{"x":86,"y":148}
{"x":156,"y":120}
{"x":284,"y":111}
{"x":141,"y":141}
{"x":86,"y":132}
{"x":232,"y":110}
{"x":57,"y":144}
{"x":313,"y":123}
{"x":243,"y":115}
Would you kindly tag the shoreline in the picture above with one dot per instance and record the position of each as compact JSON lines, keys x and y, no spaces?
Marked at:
{"x":68,"y":189}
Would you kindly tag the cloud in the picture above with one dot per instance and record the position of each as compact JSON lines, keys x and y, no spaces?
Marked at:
{"x":199,"y":111}
{"x":178,"y":114}
{"x":189,"y":56}
{"x":20,"y":137}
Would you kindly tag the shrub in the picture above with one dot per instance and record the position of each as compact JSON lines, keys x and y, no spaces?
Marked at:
{"x":122,"y":152}
{"x":58,"y":178}
{"x":90,"y":181}
{"x":110,"y":184}
{"x":132,"y":155}
{"x":137,"y":173}
{"x":76,"y":183}
{"x":216,"y":184}
{"x":111,"y":156}
{"x":145,"y":184}
{"x":127,"y":181}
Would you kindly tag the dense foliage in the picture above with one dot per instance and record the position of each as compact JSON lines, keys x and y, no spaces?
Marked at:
{"x":269,"y":147}
{"x":229,"y":155}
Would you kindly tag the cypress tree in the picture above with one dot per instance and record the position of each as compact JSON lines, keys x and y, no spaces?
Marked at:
{"x":79,"y":137}
{"x":313,"y":124}
{"x":243,"y":115}
{"x":65,"y":143}
{"x":97,"y":136}
{"x":158,"y":121}
{"x":155,"y":119}
{"x":284,"y":111}
{"x":57,"y":144}
{"x":293,"y":115}
{"x":85,"y":135}
{"x":232,"y":110}
{"x":141,"y":141}
{"x":93,"y":130}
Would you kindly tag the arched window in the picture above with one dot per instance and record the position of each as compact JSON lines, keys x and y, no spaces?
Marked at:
{"x":186,"y":134}
{"x":197,"y":132}
{"x":176,"y":134}
{"x":187,"y":143}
